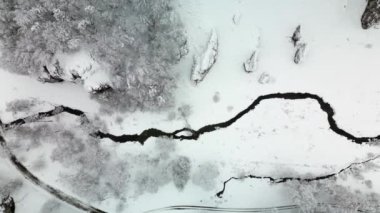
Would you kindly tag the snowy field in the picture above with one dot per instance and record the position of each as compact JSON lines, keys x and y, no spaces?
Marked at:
{"x":279,"y":138}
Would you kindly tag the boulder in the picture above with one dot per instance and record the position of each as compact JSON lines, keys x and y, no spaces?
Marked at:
{"x":250,"y":65}
{"x":300,"y":53}
{"x":202,"y":64}
{"x":371,"y":14}
{"x":7,"y":205}
{"x":296,"y":37}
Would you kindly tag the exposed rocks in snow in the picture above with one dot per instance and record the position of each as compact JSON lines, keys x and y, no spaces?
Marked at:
{"x":296,"y":37}
{"x":75,"y":76}
{"x":7,"y":205}
{"x":251,"y":64}
{"x":82,"y":66}
{"x":299,"y":45}
{"x":50,"y":78}
{"x":101,"y":88}
{"x":77,"y":66}
{"x":183,"y":50}
{"x":202,"y":64}
{"x":265,"y":78}
{"x":300,"y":53}
{"x":197,"y":74}
{"x":236,"y":18}
{"x":371,"y":15}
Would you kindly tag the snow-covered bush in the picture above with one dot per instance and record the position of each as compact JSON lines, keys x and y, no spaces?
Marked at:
{"x":7,"y":187}
{"x":180,"y":171}
{"x":185,"y":110}
{"x":134,"y":42}
{"x":205,"y":175}
{"x":29,"y":137}
{"x":19,"y":105}
{"x":299,"y":45}
{"x":50,"y":206}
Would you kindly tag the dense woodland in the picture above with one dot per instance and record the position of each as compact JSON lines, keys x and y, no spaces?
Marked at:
{"x":135,"y":42}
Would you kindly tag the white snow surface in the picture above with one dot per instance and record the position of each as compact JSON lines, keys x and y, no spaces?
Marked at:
{"x":342,"y":66}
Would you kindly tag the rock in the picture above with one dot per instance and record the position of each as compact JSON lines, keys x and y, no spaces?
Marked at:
{"x":216,"y":97}
{"x":101,"y":89}
{"x":236,"y":18}
{"x":183,"y":50}
{"x":296,"y":37}
{"x":265,"y":78}
{"x":202,"y":64}
{"x":371,"y":15}
{"x":300,"y":53}
{"x":81,"y":66}
{"x":250,"y":65}
{"x":300,"y":46}
{"x":49,"y":77}
{"x":7,"y":205}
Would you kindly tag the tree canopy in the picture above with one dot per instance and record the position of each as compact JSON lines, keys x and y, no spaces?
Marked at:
{"x":135,"y":41}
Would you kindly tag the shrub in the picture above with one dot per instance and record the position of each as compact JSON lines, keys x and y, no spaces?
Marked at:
{"x":180,"y":171}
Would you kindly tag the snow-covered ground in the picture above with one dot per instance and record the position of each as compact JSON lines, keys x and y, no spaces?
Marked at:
{"x":279,"y":137}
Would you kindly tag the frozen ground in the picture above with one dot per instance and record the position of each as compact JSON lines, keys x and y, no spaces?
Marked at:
{"x":279,"y":136}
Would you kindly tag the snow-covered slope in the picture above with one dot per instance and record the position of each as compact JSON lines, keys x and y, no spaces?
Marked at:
{"x":280,"y":137}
